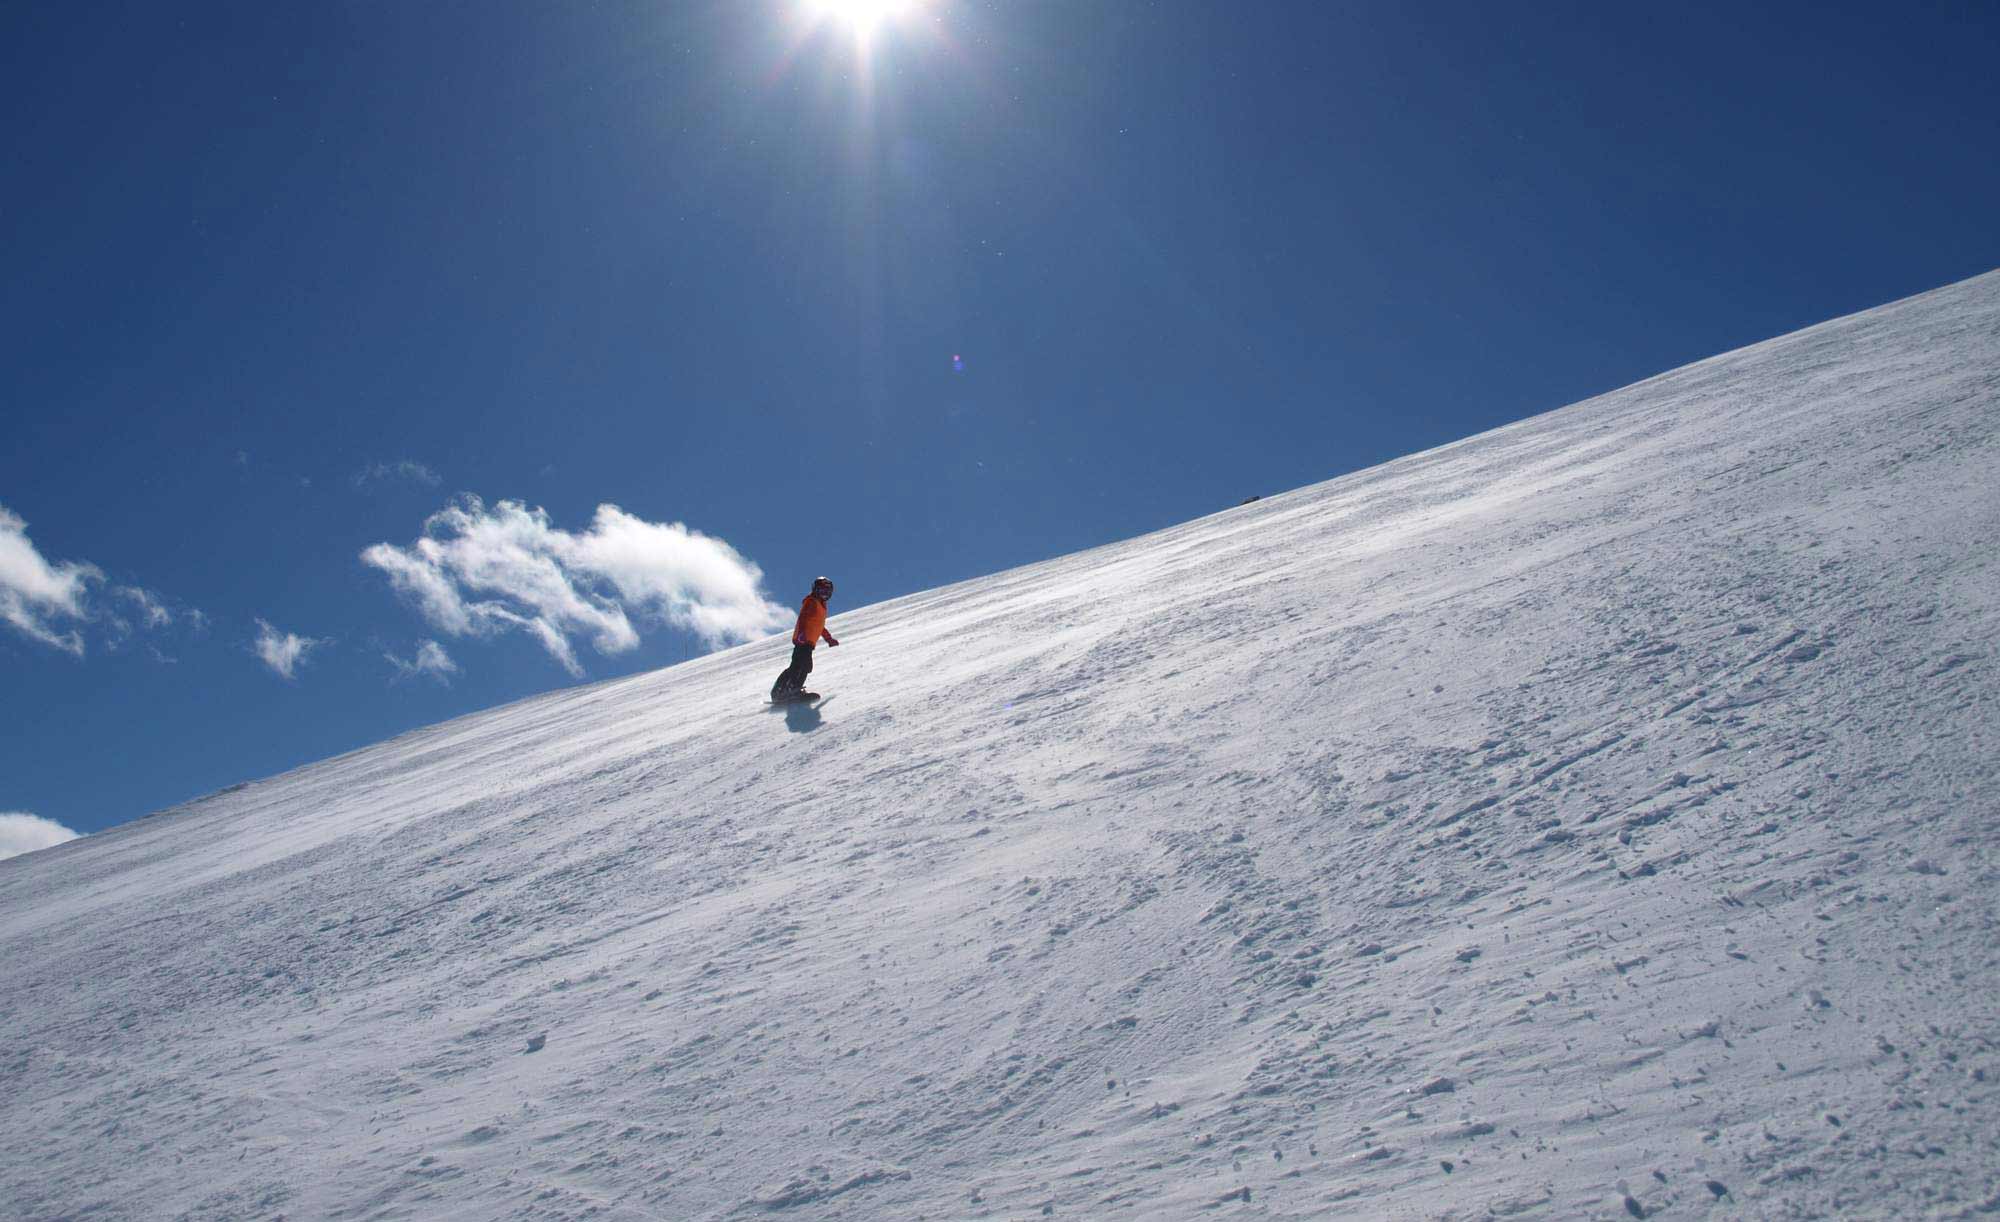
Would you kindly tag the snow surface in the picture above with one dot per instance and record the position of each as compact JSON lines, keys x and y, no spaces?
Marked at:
{"x":1590,"y":818}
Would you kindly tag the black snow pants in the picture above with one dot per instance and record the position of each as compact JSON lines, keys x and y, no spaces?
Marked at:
{"x":794,"y":678}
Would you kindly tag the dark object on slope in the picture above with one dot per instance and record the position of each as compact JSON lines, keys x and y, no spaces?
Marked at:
{"x":798,"y":697}
{"x":1246,"y":500}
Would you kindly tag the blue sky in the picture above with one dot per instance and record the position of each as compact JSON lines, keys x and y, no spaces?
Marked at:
{"x":285,"y":281}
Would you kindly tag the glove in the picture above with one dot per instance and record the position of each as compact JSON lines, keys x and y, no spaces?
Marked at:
{"x":830,"y":640}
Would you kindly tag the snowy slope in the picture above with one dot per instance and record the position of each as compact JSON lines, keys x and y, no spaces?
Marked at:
{"x":1591,"y":818}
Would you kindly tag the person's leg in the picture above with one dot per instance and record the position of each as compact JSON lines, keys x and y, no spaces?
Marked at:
{"x":794,"y":676}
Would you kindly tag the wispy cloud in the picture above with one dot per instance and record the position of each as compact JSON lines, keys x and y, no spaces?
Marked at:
{"x":431,"y":661}
{"x":53,"y":603}
{"x":480,"y":571}
{"x":40,"y":600}
{"x":24,"y":833}
{"x":405,"y":469}
{"x":283,"y":652}
{"x":152,"y":612}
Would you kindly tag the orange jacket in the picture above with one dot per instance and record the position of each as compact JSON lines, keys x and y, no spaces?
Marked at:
{"x":812,"y":624}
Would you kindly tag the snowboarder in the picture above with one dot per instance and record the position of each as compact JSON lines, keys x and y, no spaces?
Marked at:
{"x":805,"y":636}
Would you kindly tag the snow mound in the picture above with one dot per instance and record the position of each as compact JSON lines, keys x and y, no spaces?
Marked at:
{"x":1595,"y":817}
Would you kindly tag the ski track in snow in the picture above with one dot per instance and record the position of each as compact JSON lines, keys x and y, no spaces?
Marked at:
{"x":1593,"y":818}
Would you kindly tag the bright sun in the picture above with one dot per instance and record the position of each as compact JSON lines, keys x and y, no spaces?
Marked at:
{"x":863,"y":16}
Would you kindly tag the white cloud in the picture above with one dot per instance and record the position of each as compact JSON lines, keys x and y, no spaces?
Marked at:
{"x":283,"y":651}
{"x":480,"y":571}
{"x":52,"y":603}
{"x":379,"y":472}
{"x":24,"y":833}
{"x":431,"y":660}
{"x":35,"y":595}
{"x":151,"y":611}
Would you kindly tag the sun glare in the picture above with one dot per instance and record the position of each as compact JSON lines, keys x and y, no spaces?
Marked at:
{"x":862,"y":16}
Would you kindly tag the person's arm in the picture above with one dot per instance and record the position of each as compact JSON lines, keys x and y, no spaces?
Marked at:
{"x":829,"y":637}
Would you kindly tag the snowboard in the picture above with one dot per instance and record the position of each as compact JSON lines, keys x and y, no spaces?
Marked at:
{"x":796,"y":698}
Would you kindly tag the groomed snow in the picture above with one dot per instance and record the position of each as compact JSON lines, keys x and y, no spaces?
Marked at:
{"x":1592,"y":818}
